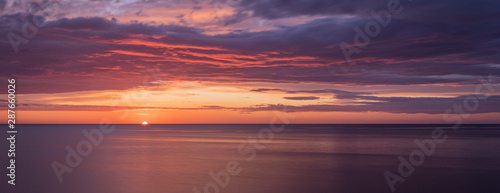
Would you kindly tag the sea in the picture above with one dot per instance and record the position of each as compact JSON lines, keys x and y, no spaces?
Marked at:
{"x":253,"y":158}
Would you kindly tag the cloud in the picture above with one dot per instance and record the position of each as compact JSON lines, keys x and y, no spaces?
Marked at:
{"x":406,"y":105}
{"x":264,"y":90}
{"x":306,"y":98}
{"x":72,"y":54}
{"x":273,"y":9}
{"x":458,"y":11}
{"x":340,"y":94}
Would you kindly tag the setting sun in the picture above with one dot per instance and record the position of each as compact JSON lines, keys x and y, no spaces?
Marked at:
{"x":144,"y":123}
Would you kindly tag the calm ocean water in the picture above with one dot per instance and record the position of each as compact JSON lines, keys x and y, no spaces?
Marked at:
{"x":300,"y":159}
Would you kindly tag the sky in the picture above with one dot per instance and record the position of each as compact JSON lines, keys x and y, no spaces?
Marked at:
{"x":244,"y":61}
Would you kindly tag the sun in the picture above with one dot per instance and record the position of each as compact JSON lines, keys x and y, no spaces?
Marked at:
{"x":144,"y":123}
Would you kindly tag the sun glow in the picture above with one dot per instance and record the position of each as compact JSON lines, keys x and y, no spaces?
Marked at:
{"x":144,"y":123}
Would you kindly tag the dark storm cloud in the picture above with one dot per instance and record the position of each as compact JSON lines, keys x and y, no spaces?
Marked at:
{"x":424,"y":29}
{"x":272,"y":9}
{"x":459,"y":11}
{"x":101,"y":26}
{"x":89,"y":23}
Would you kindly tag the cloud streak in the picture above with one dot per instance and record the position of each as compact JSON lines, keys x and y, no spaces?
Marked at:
{"x":408,"y":105}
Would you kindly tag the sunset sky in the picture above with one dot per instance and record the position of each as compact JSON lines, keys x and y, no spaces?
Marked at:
{"x":237,"y":61}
